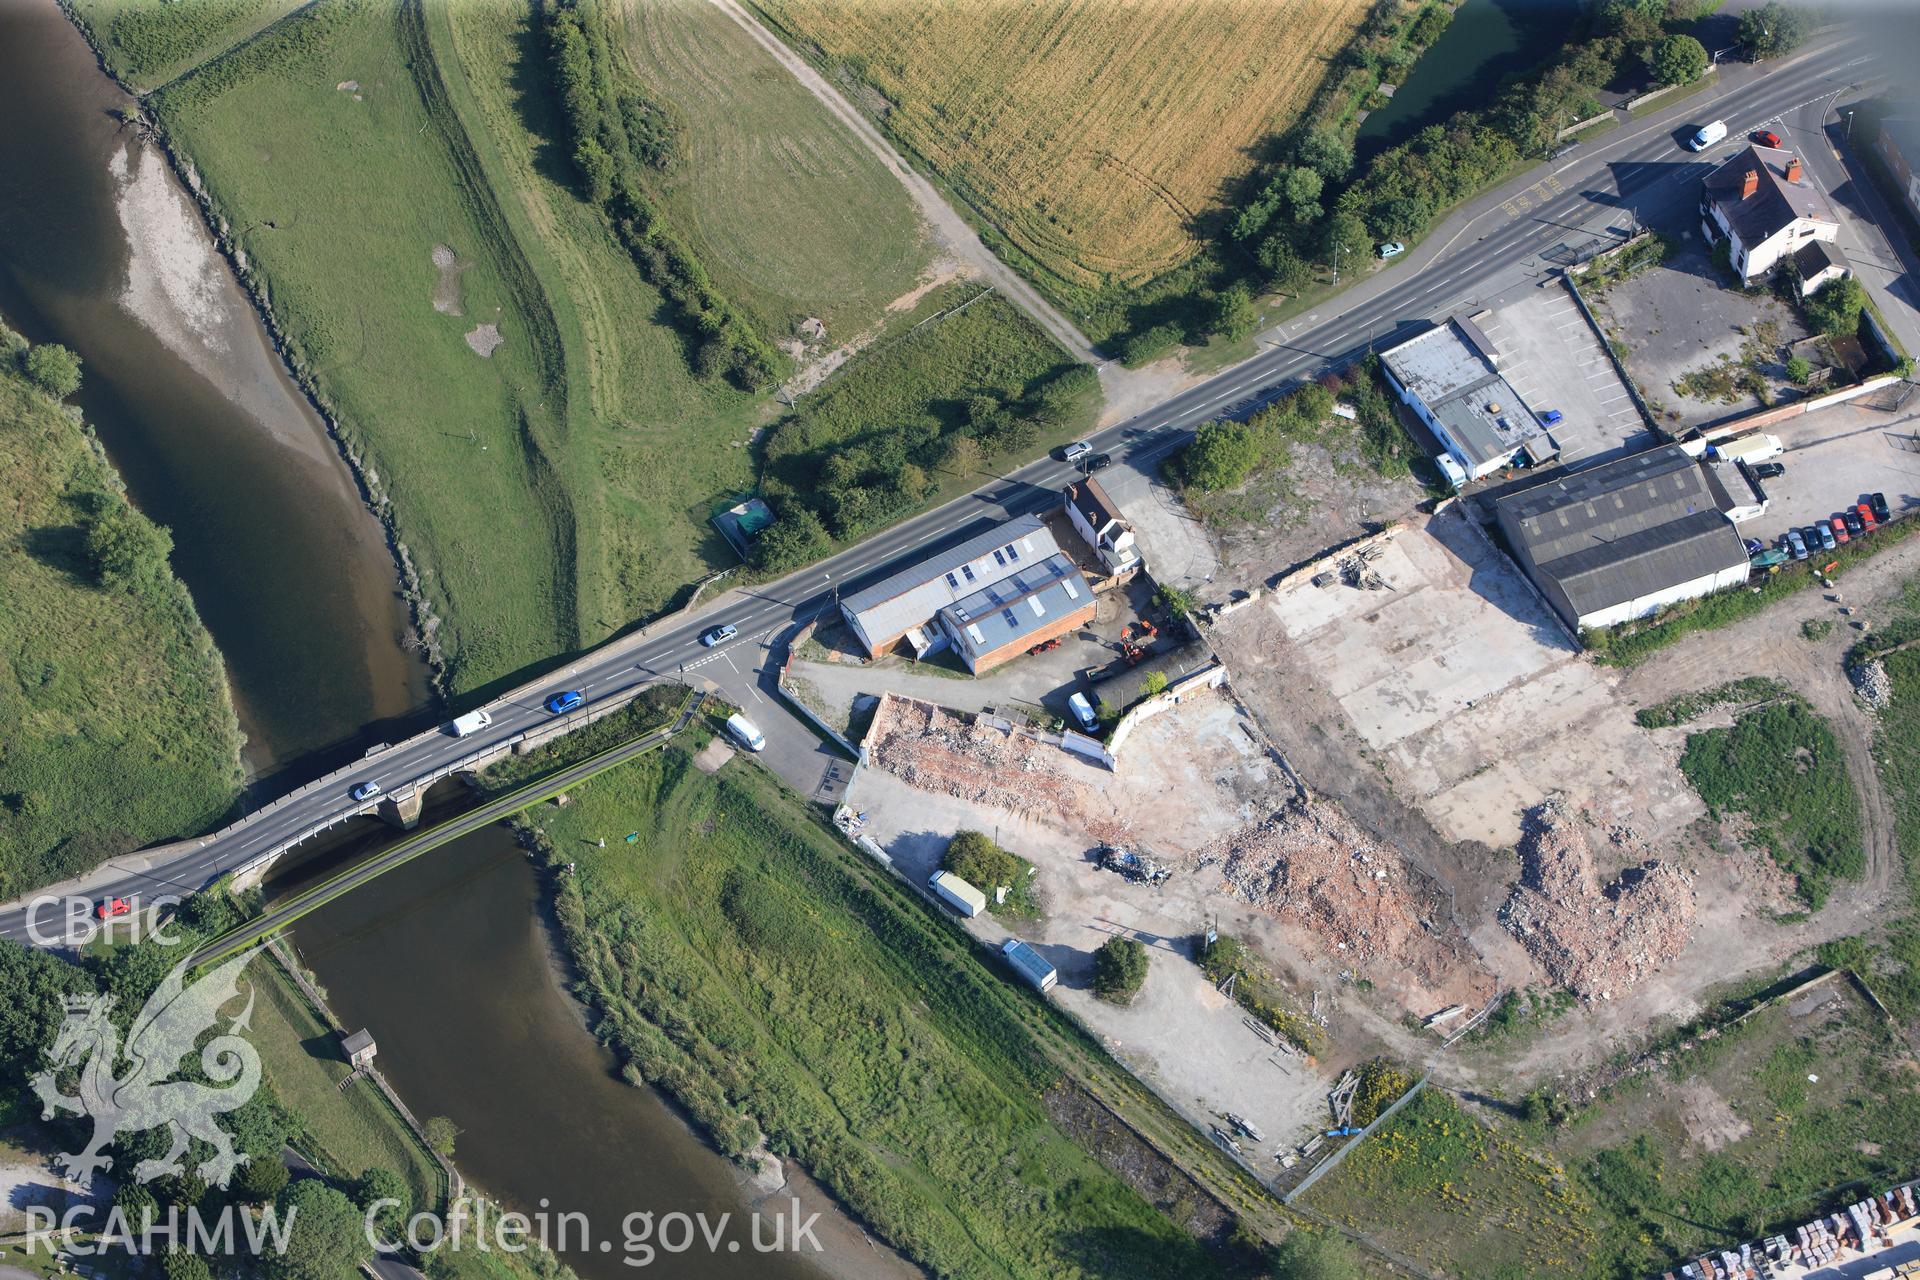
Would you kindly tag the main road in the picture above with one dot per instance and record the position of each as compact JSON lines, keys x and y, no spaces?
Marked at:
{"x":1499,"y":242}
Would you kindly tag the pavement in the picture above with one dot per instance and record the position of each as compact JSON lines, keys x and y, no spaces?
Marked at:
{"x":1520,"y":232}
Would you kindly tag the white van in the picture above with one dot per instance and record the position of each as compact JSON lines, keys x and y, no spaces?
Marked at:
{"x":745,"y":732}
{"x":1083,"y":711}
{"x":1707,"y":136}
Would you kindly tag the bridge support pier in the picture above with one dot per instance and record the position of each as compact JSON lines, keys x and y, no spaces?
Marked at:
{"x":402,"y":809}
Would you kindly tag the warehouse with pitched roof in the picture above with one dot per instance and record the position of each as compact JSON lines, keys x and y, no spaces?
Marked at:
{"x":1619,"y":541}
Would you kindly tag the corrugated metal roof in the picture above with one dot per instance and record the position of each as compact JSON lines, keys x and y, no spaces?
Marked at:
{"x":913,"y":595}
{"x":1020,"y":603}
{"x":1627,"y":529}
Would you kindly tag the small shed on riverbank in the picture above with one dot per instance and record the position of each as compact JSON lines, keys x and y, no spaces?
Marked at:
{"x":359,"y":1048}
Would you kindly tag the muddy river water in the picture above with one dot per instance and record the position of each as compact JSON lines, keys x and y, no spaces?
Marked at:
{"x":449,"y":960}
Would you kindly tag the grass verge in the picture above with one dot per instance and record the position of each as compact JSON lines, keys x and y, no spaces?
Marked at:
{"x":116,"y":728}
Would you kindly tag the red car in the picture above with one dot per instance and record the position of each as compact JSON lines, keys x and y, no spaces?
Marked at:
{"x":1866,"y":515}
{"x":1840,"y":533}
{"x":1767,"y":138}
{"x":111,"y":907}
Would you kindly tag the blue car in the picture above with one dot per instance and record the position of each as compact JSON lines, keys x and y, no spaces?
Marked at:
{"x":1551,"y":416}
{"x":564,"y":701}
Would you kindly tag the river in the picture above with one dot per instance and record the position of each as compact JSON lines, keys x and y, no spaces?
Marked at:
{"x":450,"y":959}
{"x":1487,"y":40}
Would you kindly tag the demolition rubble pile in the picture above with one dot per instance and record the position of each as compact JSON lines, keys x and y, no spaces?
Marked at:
{"x":1597,"y":941}
{"x":972,"y":758}
{"x":1871,"y":682}
{"x":1310,"y":865}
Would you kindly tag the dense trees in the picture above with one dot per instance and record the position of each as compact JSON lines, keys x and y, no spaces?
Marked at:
{"x":1119,"y":969}
{"x":975,"y":858}
{"x":1774,"y":29}
{"x":54,"y":369}
{"x":1835,"y":308}
{"x":795,"y":539}
{"x":326,"y":1239}
{"x":129,"y":551}
{"x":1677,"y":60}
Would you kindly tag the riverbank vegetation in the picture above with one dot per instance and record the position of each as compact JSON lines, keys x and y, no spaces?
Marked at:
{"x":774,"y":982}
{"x":116,"y":727}
{"x":149,"y":43}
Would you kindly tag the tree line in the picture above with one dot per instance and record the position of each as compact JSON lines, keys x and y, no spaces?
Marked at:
{"x":1311,"y":212}
{"x":620,"y":135}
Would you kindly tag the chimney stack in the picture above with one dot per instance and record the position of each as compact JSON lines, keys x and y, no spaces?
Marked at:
{"x":1793,"y":168}
{"x":1749,"y":183}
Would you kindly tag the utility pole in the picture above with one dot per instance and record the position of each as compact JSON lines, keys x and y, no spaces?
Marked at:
{"x":1337,"y":248}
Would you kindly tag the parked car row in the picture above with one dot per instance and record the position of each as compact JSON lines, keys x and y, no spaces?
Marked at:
{"x":1852,"y":522}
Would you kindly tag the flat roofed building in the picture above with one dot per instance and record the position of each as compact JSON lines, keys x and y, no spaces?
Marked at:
{"x":1618,"y":541}
{"x":1027,"y":607}
{"x":904,"y":605}
{"x":1449,"y":376}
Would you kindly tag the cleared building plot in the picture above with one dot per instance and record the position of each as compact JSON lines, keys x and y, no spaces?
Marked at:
{"x":1196,"y":790}
{"x":1554,"y":359}
{"x":1458,"y":675}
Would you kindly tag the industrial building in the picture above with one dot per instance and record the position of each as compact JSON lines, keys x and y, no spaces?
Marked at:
{"x":1620,"y":540}
{"x":1450,"y":377}
{"x":989,"y":598}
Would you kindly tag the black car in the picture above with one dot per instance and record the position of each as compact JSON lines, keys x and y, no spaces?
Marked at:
{"x":1856,"y":527}
{"x":1811,"y":535}
{"x":1769,"y":471}
{"x":1099,"y":460}
{"x":1877,"y":503}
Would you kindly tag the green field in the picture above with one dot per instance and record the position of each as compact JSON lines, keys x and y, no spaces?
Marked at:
{"x":351,"y":1130}
{"x":148,"y":44}
{"x":116,"y":729}
{"x":1725,"y":1140}
{"x":777,"y":984}
{"x":341,"y":214}
{"x":791,"y":214}
{"x":1780,"y":768}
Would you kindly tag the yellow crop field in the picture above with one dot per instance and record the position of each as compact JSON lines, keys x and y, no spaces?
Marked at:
{"x":1090,"y":132}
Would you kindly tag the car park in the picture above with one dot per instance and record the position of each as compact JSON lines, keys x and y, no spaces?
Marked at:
{"x":1551,"y":416}
{"x":1796,"y":545}
{"x":1769,"y":471}
{"x":1877,"y":503}
{"x":1840,"y":533}
{"x":1825,"y":532}
{"x":1391,"y":249}
{"x":564,"y":701}
{"x":718,"y":635}
{"x":365,"y":791}
{"x":1855,"y":525}
{"x":1810,"y":535}
{"x":1075,"y":450}
{"x":1767,"y":138}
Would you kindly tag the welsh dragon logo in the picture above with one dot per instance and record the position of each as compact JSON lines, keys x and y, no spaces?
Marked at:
{"x":146,"y":1096}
